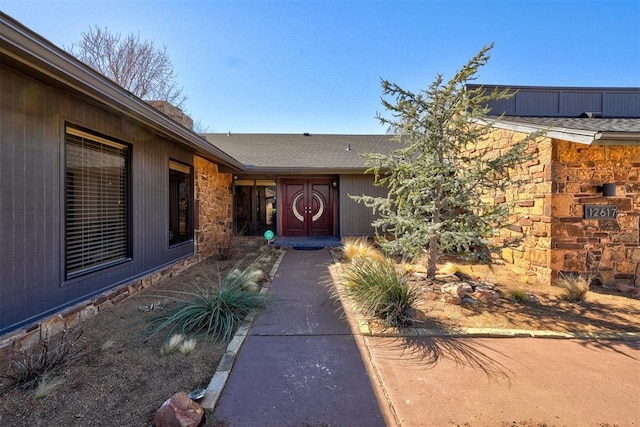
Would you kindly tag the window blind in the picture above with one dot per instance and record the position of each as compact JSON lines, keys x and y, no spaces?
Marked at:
{"x":96,"y":202}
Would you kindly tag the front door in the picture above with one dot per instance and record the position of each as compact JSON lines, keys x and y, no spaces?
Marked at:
{"x":307,"y":207}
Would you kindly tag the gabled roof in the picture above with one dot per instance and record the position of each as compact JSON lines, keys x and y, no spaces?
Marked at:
{"x":30,"y":53}
{"x":309,"y":153}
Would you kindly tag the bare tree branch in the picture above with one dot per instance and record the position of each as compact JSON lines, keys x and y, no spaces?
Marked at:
{"x":137,"y":65}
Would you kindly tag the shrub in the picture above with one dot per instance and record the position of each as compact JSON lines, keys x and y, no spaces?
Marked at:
{"x":30,"y":367}
{"x":172,"y":344}
{"x":188,"y":346}
{"x":517,"y":295}
{"x":210,"y":310}
{"x":45,"y":387}
{"x":248,"y":279}
{"x":575,"y":286}
{"x":380,"y":291}
{"x":227,"y":246}
{"x":358,"y":249}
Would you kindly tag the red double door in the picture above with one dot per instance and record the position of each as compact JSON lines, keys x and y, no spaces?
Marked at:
{"x":308,"y":207}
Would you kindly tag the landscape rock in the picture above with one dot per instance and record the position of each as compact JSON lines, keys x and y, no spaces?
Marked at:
{"x":469,"y":300}
{"x":459,"y":290}
{"x":179,"y":411}
{"x":462,"y":276}
{"x":531,"y":298}
{"x":488,"y":296}
{"x":625,"y":288}
{"x":448,"y":278}
{"x":451,"y":299}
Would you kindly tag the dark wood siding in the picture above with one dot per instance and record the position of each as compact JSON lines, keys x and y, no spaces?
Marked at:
{"x":32,"y":118}
{"x":355,"y":218}
{"x":567,"y":102}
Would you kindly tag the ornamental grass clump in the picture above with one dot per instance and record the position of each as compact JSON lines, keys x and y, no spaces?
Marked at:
{"x":517,"y":295}
{"x":212,"y":310}
{"x":575,"y":286}
{"x":358,"y":249}
{"x":381,"y":291}
{"x":38,"y":363}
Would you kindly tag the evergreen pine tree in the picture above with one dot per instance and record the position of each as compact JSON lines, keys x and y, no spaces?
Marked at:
{"x":439,"y":173}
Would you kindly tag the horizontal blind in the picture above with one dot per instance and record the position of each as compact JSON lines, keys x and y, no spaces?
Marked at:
{"x":96,"y":201}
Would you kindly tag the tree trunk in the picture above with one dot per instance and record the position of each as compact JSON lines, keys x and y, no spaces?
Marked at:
{"x":433,"y":240}
{"x":432,"y":257}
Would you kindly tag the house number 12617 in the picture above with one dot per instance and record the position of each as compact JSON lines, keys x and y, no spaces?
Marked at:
{"x":600,"y":211}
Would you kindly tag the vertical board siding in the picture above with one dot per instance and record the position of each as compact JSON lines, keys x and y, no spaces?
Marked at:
{"x":32,"y":117}
{"x":356,"y":218}
{"x":566,"y":102}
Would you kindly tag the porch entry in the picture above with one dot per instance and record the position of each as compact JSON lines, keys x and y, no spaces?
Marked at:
{"x":307,"y":207}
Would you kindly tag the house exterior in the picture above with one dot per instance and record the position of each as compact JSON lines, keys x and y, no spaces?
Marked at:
{"x":579,"y":209}
{"x":298,"y":185}
{"x":100,"y":193}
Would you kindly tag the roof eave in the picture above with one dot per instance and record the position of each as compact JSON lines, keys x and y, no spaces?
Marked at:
{"x":617,"y":138}
{"x":30,"y":49}
{"x":251,"y":170}
{"x":572,"y":135}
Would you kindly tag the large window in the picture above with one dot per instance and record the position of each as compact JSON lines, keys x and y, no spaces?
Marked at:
{"x":255,"y":206}
{"x":97,"y":202}
{"x":180,"y":224}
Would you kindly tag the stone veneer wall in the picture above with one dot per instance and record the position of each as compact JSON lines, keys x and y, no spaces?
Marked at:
{"x":608,"y":247}
{"x":213,"y":206}
{"x":530,"y":221}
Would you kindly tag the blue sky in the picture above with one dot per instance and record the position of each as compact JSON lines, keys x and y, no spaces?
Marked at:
{"x":315,"y":65}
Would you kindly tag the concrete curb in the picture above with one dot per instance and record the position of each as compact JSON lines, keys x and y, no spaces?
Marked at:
{"x":221,"y":375}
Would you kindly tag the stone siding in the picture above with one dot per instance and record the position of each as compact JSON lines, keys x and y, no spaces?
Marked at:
{"x":608,"y":248}
{"x":547,"y":219}
{"x":529,"y":226}
{"x":213,"y":207}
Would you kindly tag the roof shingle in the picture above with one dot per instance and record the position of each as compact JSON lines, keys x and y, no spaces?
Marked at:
{"x":296,"y":151}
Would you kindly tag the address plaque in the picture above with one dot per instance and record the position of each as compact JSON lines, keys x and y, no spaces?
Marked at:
{"x":600,"y":211}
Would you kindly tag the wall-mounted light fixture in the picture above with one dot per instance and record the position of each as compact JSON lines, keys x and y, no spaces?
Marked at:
{"x":607,"y":190}
{"x":334,"y":183}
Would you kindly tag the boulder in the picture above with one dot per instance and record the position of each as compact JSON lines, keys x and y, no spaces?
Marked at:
{"x":460,"y":289}
{"x":179,"y":411}
{"x":488,"y":296}
{"x":468,"y":300}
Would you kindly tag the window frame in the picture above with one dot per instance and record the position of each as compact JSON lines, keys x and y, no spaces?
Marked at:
{"x":184,"y":168}
{"x":125,"y":243}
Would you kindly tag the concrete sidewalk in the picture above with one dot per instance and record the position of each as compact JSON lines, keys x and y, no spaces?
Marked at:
{"x":299,"y":364}
{"x":447,"y":381}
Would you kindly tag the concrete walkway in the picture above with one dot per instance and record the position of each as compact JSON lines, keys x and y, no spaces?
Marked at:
{"x":299,"y":364}
{"x":508,"y":381}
